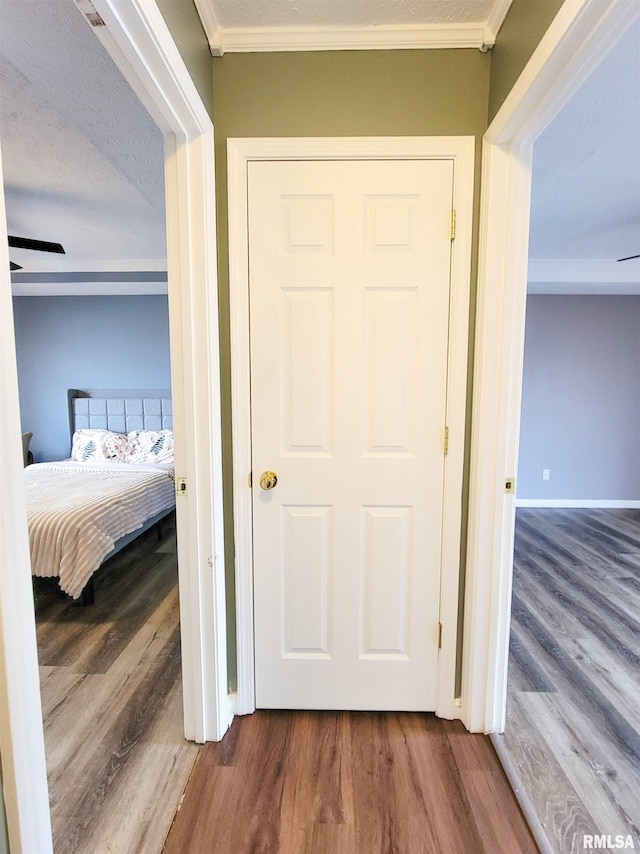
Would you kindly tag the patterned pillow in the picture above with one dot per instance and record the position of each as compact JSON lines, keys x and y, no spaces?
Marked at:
{"x":149,"y":446}
{"x":98,"y":446}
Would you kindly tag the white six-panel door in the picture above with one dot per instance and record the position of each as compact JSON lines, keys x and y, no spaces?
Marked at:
{"x":349,"y":269}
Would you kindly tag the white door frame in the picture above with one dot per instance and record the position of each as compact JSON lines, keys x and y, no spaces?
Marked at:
{"x":140,"y":43}
{"x":579,"y":37}
{"x":240,"y":153}
{"x":24,"y":772}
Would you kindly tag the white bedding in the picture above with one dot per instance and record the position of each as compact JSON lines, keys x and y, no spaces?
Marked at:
{"x":76,"y":512}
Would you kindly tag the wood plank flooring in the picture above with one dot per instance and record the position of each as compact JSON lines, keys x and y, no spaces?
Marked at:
{"x":117,"y":761}
{"x":348,"y":783}
{"x":573,"y":710}
{"x":351,"y":782}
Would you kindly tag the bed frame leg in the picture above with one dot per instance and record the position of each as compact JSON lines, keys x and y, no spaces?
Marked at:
{"x":87,"y":596}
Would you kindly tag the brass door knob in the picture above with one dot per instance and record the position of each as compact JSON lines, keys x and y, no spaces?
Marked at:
{"x":268,"y":479}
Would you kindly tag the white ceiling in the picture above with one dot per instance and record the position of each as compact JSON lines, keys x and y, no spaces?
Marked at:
{"x":586,"y":181}
{"x":266,"y":25}
{"x":83,"y":160}
{"x":340,"y":13}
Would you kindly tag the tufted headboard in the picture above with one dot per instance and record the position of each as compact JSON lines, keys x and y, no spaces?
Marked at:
{"x":120,"y":410}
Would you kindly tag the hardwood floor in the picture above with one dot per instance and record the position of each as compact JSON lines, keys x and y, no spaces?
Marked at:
{"x":111,"y":693}
{"x":348,"y":783}
{"x":308,"y":782}
{"x":573,"y":710}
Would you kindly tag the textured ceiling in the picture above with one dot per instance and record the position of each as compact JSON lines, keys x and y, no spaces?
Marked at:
{"x":354,"y":13}
{"x":586,"y":168}
{"x":82,"y":159}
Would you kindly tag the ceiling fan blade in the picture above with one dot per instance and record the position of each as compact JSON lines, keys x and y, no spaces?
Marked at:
{"x":13,"y":266}
{"x":39,"y":245}
{"x":629,"y":258}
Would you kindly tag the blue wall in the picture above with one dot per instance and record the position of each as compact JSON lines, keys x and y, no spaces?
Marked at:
{"x":581,"y":399}
{"x":84,"y":342}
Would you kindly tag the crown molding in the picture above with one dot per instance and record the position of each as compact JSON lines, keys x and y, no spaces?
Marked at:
{"x":266,"y":39}
{"x":495,"y":20}
{"x":89,"y":283}
{"x":595,"y":276}
{"x":210,"y":25}
{"x":68,"y":264}
{"x":90,"y":289}
{"x":480,"y":35}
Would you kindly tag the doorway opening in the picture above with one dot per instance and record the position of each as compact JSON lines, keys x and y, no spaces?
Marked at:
{"x":142,"y":46}
{"x":574,"y":627}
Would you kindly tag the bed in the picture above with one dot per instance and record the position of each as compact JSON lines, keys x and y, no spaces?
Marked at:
{"x":118,"y":483}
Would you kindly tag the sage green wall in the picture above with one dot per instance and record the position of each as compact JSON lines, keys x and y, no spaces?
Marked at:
{"x":526,"y":23}
{"x":344,"y":93}
{"x":184,"y":24}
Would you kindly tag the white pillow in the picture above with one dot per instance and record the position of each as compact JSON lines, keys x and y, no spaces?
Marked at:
{"x":149,"y":446}
{"x":98,"y":446}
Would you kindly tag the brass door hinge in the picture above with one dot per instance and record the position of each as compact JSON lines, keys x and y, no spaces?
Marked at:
{"x":453,"y":225}
{"x":439,"y":635}
{"x":445,"y":440}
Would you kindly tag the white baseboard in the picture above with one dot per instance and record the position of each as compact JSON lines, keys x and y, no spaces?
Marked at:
{"x":619,"y":503}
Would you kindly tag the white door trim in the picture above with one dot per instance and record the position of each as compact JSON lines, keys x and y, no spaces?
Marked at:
{"x":140,"y":43}
{"x":151,"y":62}
{"x":240,"y":152}
{"x":24,"y":772}
{"x":581,"y":34}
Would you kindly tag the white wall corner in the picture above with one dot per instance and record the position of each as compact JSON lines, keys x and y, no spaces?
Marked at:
{"x":210,"y":25}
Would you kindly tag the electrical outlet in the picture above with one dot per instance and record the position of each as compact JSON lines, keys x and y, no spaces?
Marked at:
{"x":546,"y":474}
